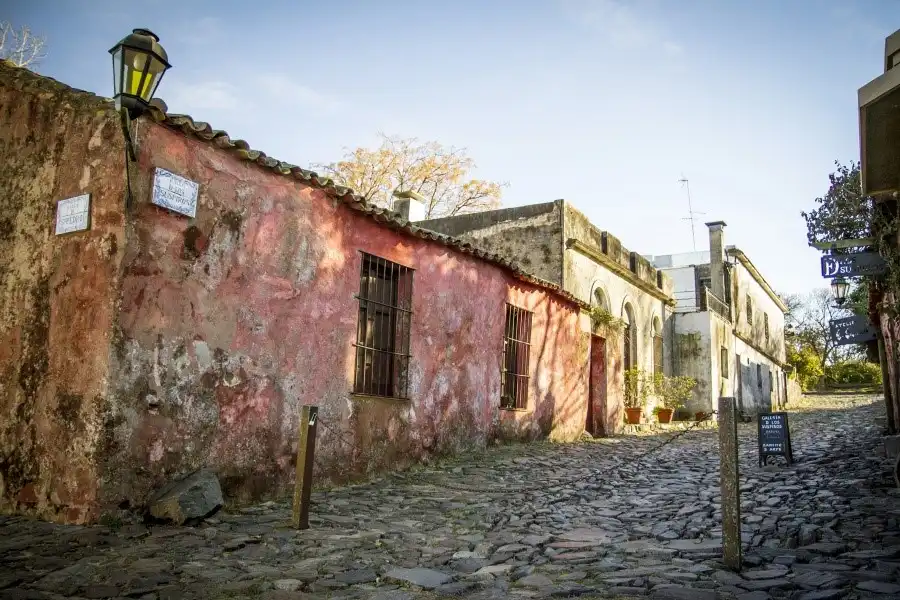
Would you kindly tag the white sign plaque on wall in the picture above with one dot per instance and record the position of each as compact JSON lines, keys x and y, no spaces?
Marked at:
{"x":175,"y":192}
{"x":73,"y":214}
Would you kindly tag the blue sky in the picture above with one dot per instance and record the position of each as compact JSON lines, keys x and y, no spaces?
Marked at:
{"x":603,"y":102}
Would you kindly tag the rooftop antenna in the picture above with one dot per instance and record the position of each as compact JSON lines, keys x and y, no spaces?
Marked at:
{"x":687,"y":185}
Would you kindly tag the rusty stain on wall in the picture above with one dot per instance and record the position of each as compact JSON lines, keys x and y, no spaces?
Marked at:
{"x":57,"y":293}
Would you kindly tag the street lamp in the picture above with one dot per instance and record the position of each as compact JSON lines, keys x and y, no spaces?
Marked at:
{"x":139,"y":63}
{"x":839,"y":289}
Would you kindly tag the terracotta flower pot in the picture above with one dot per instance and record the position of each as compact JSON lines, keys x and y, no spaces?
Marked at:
{"x":664,"y":415}
{"x":633,"y":415}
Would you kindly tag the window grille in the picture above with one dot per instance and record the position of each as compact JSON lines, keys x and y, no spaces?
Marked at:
{"x":382,"y":336}
{"x":516,"y":358}
{"x":766,"y":325}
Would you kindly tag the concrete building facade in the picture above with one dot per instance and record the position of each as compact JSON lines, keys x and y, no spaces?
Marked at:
{"x":556,"y":242}
{"x":729,"y":327}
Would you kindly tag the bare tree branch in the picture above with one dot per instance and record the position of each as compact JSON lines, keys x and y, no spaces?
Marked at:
{"x":439,"y":173}
{"x":20,"y":46}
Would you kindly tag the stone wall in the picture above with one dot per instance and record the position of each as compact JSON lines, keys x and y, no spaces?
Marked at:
{"x":57,"y":293}
{"x":530,"y":236}
{"x":232,"y":320}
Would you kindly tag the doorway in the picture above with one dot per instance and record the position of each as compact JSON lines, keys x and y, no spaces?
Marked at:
{"x":596,"y":412}
{"x":739,"y":371}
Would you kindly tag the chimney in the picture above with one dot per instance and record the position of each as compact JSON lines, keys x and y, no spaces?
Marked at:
{"x":717,"y":258}
{"x":409,"y":205}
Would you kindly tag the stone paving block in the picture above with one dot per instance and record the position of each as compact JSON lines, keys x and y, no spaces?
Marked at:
{"x":423,"y":578}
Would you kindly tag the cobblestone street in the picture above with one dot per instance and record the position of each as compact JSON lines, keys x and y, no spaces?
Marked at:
{"x":825,"y":528}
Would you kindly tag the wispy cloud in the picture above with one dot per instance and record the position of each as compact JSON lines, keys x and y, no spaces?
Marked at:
{"x":622,"y":24}
{"x":202,"y":95}
{"x":282,"y":87}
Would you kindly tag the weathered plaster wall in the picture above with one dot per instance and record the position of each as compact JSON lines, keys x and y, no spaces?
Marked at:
{"x":57,"y":293}
{"x":530,"y":236}
{"x":693,"y":357}
{"x":721,"y":380}
{"x":584,"y":276}
{"x":761,"y":380}
{"x":743,"y":285}
{"x":231,"y":321}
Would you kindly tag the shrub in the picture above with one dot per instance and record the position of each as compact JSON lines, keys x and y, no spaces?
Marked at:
{"x":674,"y":391}
{"x":638,"y":387}
{"x":853,"y":372}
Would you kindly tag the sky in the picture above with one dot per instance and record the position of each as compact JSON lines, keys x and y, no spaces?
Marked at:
{"x":605,"y":103}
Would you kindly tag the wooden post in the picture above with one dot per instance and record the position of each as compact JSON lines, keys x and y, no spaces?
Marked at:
{"x":730,"y":484}
{"x":306,"y":447}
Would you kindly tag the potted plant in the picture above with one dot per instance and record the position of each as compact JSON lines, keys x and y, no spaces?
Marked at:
{"x":637,"y":389}
{"x":673,"y":392}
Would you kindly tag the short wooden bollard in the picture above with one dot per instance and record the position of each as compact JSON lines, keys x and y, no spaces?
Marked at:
{"x":730,"y":484}
{"x":306,"y":447}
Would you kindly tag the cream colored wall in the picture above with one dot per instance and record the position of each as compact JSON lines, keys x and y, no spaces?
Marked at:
{"x":583,"y":276}
{"x":744,"y":284}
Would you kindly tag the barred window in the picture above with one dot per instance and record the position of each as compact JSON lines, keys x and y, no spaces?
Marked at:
{"x":516,"y":358}
{"x":749,"y":303}
{"x":766,"y":325}
{"x":382,"y":335}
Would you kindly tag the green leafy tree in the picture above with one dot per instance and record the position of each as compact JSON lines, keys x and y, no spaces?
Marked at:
{"x":843,"y":212}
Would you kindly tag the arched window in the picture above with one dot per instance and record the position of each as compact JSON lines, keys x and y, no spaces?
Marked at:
{"x":657,"y":346}
{"x":600,"y":299}
{"x":629,"y":338}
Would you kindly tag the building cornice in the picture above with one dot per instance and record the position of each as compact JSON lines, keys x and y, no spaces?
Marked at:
{"x":757,"y":276}
{"x":597,"y":256}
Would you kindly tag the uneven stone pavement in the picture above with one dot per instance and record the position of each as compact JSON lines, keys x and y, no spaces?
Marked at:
{"x":825,"y":528}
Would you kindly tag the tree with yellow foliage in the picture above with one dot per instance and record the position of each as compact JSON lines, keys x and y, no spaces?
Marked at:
{"x":438,"y":173}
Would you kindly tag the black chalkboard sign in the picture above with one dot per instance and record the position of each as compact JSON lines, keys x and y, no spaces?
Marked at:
{"x":774,"y":437}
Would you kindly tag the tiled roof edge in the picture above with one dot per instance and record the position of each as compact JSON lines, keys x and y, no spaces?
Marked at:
{"x":240,"y":148}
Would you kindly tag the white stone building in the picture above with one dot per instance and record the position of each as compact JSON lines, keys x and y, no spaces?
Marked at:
{"x":728,"y":327}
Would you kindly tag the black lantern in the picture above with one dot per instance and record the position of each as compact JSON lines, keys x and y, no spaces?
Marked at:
{"x":139,"y":63}
{"x":839,"y":289}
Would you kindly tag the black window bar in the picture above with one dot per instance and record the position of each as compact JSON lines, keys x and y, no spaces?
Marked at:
{"x":382,"y":336}
{"x":516,"y":358}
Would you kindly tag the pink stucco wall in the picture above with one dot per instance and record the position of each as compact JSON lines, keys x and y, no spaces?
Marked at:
{"x":230,"y":321}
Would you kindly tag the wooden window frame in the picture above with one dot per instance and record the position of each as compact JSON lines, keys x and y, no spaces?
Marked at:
{"x":383,"y":326}
{"x":516,"y":374}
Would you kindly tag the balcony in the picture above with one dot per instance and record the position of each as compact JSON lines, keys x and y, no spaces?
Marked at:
{"x":708,"y":301}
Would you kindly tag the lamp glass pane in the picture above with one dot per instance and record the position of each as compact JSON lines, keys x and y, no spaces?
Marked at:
{"x":156,"y":71}
{"x":117,"y":71}
{"x":137,"y":80}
